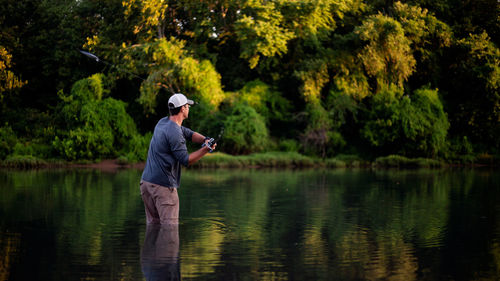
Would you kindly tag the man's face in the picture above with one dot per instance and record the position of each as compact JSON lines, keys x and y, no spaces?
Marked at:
{"x":185,"y":110}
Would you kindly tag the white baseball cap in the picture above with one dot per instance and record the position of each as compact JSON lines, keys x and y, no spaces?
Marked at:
{"x":178,"y":100}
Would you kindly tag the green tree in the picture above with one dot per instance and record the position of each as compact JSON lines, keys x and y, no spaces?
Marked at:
{"x":266,"y":101}
{"x":430,"y":38}
{"x":410,"y":125}
{"x":387,"y":55}
{"x":328,"y":60}
{"x":152,"y":17}
{"x":473,"y":90}
{"x":245,"y":131}
{"x":465,"y":17}
{"x":93,"y":126}
{"x":171,"y":67}
{"x":261,"y":32}
{"x":43,"y":38}
{"x":316,"y":136}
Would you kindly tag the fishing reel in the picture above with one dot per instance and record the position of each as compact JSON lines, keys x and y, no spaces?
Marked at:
{"x":210,"y":143}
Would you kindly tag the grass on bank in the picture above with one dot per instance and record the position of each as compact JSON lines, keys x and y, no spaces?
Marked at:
{"x":268,"y":159}
{"x":296,"y":160}
{"x":272,"y":160}
{"x":23,"y":161}
{"x":398,"y":161}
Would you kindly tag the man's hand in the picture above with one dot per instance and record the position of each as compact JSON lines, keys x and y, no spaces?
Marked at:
{"x":210,"y":144}
{"x":198,"y":154}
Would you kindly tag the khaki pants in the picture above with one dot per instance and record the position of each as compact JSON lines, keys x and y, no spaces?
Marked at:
{"x":161,"y":203}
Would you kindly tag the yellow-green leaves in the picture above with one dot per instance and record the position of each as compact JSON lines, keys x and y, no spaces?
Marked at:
{"x":266,"y":28}
{"x":314,"y":76}
{"x":483,"y":51}
{"x":90,"y":89}
{"x":426,"y":33}
{"x":262,"y":33}
{"x":8,"y":80}
{"x":152,"y":16}
{"x":349,"y":78}
{"x":171,"y":67}
{"x":311,"y":21}
{"x":420,"y":26}
{"x":387,"y":55}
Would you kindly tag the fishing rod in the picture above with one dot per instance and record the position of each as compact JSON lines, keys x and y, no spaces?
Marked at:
{"x":97,"y":59}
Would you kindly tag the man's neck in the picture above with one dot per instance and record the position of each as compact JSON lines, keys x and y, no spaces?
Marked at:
{"x":177,"y":119}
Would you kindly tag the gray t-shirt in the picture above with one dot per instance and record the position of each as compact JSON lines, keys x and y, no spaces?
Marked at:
{"x":167,"y":151}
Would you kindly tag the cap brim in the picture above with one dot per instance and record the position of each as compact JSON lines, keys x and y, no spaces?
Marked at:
{"x":190,"y":102}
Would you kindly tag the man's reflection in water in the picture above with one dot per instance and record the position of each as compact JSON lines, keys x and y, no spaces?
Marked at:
{"x":160,"y":253}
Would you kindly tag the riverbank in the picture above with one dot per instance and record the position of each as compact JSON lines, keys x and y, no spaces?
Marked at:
{"x":264,"y":160}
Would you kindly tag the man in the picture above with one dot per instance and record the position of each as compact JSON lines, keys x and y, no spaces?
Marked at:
{"x":167,"y":152}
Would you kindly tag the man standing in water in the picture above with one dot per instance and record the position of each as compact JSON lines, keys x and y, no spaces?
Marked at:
{"x":167,"y":151}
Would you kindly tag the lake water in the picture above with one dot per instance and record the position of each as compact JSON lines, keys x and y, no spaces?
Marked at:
{"x":253,"y":225}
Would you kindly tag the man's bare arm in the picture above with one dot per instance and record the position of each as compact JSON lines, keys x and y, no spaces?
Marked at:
{"x":198,"y":138}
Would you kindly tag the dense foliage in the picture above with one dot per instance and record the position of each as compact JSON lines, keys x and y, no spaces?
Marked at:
{"x":321,"y":77}
{"x":93,"y":126}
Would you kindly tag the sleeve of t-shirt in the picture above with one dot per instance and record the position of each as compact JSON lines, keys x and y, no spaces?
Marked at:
{"x":188,"y":133}
{"x":179,"y":149}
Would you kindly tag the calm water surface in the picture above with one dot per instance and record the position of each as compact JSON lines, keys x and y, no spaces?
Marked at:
{"x":253,"y":225}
